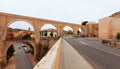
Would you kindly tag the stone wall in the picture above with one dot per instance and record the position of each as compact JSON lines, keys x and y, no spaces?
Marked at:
{"x":92,"y":29}
{"x":109,"y":26}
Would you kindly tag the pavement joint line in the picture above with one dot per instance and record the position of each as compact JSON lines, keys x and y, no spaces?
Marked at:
{"x":99,"y":49}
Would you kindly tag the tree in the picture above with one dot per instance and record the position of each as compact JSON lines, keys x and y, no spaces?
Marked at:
{"x":84,"y":22}
{"x":118,"y":35}
{"x":27,"y":36}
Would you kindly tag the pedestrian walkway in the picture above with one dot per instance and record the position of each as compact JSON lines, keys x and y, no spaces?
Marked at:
{"x":98,"y":45}
{"x":71,"y":59}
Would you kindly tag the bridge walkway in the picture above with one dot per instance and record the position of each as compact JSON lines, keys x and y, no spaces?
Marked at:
{"x":71,"y":59}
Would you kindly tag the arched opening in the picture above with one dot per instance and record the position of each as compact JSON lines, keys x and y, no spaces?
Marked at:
{"x":80,"y":32}
{"x":19,"y":49}
{"x":19,"y":30}
{"x":48,"y":30}
{"x":67,"y":30}
{"x":10,"y":52}
{"x":10,"y":59}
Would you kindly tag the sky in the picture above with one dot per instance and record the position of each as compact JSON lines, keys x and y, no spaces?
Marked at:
{"x":73,"y":11}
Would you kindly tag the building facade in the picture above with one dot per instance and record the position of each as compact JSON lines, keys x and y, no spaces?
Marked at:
{"x":109,"y":26}
{"x":92,"y":29}
{"x":48,"y":33}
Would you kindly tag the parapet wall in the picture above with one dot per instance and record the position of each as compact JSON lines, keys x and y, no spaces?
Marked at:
{"x":51,"y":60}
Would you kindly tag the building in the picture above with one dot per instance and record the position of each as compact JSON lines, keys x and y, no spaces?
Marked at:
{"x":109,"y":26}
{"x":92,"y":29}
{"x":16,"y":33}
{"x":64,"y":32}
{"x":48,"y":33}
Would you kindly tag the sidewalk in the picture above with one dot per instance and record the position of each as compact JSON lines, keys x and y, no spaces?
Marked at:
{"x":71,"y":59}
{"x":98,"y":45}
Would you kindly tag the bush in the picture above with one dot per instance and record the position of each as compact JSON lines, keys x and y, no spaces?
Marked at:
{"x":118,"y":36}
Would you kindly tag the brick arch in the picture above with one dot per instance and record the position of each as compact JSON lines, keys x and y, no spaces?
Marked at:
{"x":43,"y":24}
{"x":8,"y":44}
{"x":68,"y":26}
{"x":15,"y":20}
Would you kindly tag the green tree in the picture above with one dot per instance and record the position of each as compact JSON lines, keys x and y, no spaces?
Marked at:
{"x":118,"y":35}
{"x":27,"y":36}
{"x":84,"y":22}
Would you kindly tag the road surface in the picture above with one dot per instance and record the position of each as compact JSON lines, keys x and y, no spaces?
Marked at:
{"x":98,"y":58}
{"x":22,"y":61}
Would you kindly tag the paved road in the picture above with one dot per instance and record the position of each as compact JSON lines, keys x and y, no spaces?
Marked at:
{"x":98,"y":58}
{"x":22,"y":61}
{"x":71,"y":59}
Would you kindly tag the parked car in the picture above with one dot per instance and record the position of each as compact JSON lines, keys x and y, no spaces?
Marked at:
{"x":27,"y":50}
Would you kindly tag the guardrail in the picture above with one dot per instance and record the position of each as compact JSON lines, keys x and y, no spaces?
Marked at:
{"x":51,"y":60}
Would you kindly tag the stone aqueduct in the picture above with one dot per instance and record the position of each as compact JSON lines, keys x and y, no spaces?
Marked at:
{"x":6,"y":19}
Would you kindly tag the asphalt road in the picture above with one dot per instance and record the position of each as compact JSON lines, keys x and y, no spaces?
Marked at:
{"x":98,"y":58}
{"x":22,"y":61}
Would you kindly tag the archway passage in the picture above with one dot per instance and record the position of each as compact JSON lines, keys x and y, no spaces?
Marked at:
{"x":19,"y":30}
{"x":80,"y":33}
{"x":67,"y":30}
{"x":10,"y":58}
{"x":48,"y":30}
{"x":10,"y":52}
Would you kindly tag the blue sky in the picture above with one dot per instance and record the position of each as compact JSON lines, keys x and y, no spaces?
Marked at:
{"x":74,"y":11}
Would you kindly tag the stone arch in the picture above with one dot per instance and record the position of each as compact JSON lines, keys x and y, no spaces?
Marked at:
{"x":18,"y":21}
{"x":8,"y":44}
{"x":48,"y":24}
{"x":15,"y":20}
{"x":48,"y":30}
{"x":68,"y":28}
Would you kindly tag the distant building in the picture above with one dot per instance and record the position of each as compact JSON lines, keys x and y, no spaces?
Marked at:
{"x":109,"y":26}
{"x":48,"y":33}
{"x":92,"y":29}
{"x":64,"y":32}
{"x":16,"y":33}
